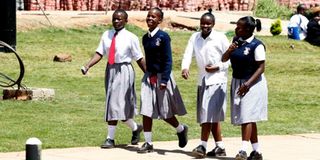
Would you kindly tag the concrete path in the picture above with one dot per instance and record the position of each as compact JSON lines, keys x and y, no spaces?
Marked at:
{"x":287,"y":147}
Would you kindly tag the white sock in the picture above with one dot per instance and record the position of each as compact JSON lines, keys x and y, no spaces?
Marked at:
{"x":180,"y":128}
{"x":204,"y":144}
{"x":245,"y":145}
{"x":220,"y":144}
{"x":148,"y":137}
{"x":111,"y":131}
{"x":132,"y":124}
{"x":255,"y":147}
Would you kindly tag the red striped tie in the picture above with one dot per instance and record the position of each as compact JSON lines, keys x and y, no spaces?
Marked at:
{"x":112,"y":49}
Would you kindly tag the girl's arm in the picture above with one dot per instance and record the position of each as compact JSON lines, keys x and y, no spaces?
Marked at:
{"x":244,"y":88}
{"x":142,"y":64}
{"x":94,"y":60}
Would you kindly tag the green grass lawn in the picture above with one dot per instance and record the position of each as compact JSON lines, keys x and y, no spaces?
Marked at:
{"x":75,"y":116}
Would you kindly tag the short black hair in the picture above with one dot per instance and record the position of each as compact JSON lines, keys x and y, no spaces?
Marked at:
{"x":209,"y":13}
{"x":251,"y":23}
{"x":121,"y":11}
{"x":159,"y":10}
{"x":301,"y":7}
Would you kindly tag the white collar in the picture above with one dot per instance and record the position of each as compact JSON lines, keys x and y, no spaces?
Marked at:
{"x":250,"y":39}
{"x":151,"y":34}
{"x":123,"y":29}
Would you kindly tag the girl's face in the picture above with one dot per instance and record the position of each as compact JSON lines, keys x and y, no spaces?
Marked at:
{"x":241,"y":30}
{"x":206,"y":25}
{"x":118,"y":20}
{"x":153,"y":19}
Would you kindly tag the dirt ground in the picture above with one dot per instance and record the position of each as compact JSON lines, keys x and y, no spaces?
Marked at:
{"x":28,"y":20}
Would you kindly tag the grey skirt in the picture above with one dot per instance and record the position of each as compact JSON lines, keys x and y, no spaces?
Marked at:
{"x":160,"y":104}
{"x":211,"y":103}
{"x":253,"y":107}
{"x":120,"y":92}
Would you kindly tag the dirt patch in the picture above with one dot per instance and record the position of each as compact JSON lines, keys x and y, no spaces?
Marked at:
{"x":27,"y":20}
{"x":33,"y":20}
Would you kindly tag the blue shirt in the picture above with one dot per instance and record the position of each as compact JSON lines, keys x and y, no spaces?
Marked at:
{"x":158,"y":54}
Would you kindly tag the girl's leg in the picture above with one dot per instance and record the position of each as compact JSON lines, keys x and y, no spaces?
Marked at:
{"x":136,"y":130}
{"x":201,"y":150}
{"x":109,"y":142}
{"x":205,"y":131}
{"x":216,"y":132}
{"x":254,"y":133}
{"x":172,"y":121}
{"x":182,"y":130}
{"x":246,"y":130}
{"x":112,"y":129}
{"x":219,"y":150}
{"x":254,"y":138}
{"x":147,"y":128}
{"x":255,"y":154}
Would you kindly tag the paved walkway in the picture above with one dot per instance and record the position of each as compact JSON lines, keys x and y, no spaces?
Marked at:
{"x":287,"y":147}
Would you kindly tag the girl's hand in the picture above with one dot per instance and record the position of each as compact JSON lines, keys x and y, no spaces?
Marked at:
{"x":211,"y":68}
{"x":232,"y":47}
{"x":84,"y":70}
{"x":185,"y":73}
{"x":243,"y":89}
{"x":162,"y":86}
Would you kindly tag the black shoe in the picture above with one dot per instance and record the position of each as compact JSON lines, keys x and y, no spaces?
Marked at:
{"x":108,"y":143}
{"x":254,"y":155}
{"x":199,"y":152}
{"x":217,"y":152}
{"x":242,"y":155}
{"x":183,"y":137}
{"x":145,"y":148}
{"x":136,"y":135}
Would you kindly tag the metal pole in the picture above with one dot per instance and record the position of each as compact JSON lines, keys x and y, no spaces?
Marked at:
{"x":33,"y":149}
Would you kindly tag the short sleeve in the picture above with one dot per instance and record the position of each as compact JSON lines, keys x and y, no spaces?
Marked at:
{"x":135,"y":48}
{"x":260,"y":53}
{"x":101,"y":47}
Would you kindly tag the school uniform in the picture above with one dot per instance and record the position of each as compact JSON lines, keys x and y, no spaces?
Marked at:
{"x":253,"y":107}
{"x":120,"y":76}
{"x":211,"y":94}
{"x":156,"y":103}
{"x":301,"y":22}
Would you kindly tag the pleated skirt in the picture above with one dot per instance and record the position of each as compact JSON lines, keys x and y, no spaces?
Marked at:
{"x":160,"y":104}
{"x":253,"y":107}
{"x":211,"y":103}
{"x":120,"y":92}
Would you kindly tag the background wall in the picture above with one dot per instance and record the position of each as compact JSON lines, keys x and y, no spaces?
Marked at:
{"x":179,"y":5}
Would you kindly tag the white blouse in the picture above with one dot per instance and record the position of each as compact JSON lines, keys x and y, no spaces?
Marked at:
{"x":127,"y":46}
{"x":207,"y":51}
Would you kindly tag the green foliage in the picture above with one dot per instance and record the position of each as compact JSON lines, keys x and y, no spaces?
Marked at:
{"x":74,"y":117}
{"x":276,"y":28}
{"x":271,"y":9}
{"x":230,"y":33}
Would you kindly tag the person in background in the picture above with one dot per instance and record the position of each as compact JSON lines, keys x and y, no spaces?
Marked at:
{"x":297,"y":27}
{"x":160,"y":96}
{"x":208,"y":46}
{"x":313,"y":34}
{"x":121,"y":47}
{"x":249,"y":92}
